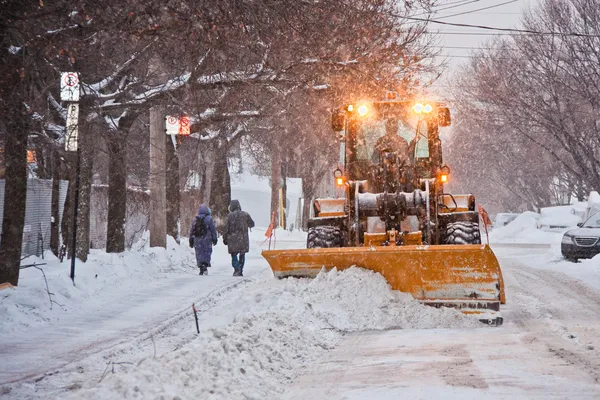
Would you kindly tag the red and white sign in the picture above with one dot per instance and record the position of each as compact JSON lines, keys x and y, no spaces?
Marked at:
{"x":177,"y":125}
{"x":69,"y":86}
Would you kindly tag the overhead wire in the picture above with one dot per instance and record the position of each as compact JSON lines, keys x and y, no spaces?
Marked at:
{"x":480,"y":9}
{"x":460,"y":4}
{"x":513,"y":30}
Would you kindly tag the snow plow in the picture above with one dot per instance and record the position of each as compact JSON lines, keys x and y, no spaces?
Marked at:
{"x":395,"y":217}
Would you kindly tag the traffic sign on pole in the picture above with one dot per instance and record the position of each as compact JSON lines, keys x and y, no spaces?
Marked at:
{"x":177,"y":125}
{"x":69,"y":86}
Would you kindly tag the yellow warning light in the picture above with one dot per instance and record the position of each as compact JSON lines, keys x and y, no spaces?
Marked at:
{"x":444,"y":173}
{"x":350,"y":108}
{"x":363,"y":110}
{"x":427,"y":108}
{"x":339,"y":181}
{"x":391,"y":95}
{"x":418,"y":108}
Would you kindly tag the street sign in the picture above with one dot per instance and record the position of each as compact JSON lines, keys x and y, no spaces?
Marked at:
{"x":72,"y":121}
{"x":69,"y":86}
{"x":177,"y":125}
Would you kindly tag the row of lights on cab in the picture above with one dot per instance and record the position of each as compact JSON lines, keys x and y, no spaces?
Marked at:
{"x":442,"y":175}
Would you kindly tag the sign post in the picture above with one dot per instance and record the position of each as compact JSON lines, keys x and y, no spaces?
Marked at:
{"x":69,"y":92}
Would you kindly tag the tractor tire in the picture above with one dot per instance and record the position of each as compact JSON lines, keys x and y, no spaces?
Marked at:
{"x":325,"y":237}
{"x":462,"y":232}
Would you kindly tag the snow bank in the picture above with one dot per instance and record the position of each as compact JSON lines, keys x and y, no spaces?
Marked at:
{"x":29,"y":304}
{"x":280,"y":327}
{"x":524,"y":229}
{"x":561,"y":217}
{"x":593,"y":204}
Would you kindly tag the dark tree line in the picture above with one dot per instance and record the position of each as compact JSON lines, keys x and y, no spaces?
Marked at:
{"x":267,"y":71}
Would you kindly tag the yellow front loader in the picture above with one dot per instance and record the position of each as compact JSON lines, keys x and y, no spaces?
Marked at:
{"x":395,"y":217}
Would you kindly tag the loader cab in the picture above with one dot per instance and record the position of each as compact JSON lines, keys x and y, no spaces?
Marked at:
{"x":392,"y":131}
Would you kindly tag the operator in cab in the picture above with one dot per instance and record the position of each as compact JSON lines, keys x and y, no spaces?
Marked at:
{"x":391,"y":142}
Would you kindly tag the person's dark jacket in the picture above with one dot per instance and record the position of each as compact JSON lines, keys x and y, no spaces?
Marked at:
{"x":236,"y":229}
{"x":203,"y":244}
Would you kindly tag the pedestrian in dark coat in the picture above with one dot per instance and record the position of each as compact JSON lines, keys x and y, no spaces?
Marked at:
{"x":203,"y":236}
{"x":236,"y":236}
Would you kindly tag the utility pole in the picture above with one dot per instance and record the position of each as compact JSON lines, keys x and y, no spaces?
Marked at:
{"x":69,"y":92}
{"x":158,"y":191}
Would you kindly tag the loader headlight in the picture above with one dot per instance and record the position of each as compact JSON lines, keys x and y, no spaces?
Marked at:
{"x":566,"y":239}
{"x":363,"y":110}
{"x":421,"y":108}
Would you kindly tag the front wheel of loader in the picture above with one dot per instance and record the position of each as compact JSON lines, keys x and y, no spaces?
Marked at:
{"x":462,"y":232}
{"x":325,"y":237}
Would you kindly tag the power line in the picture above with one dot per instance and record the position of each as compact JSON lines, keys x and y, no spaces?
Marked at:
{"x":456,"y":2}
{"x":469,"y":48}
{"x":486,"y":13}
{"x":460,"y":4}
{"x":480,"y":9}
{"x":514,"y":30}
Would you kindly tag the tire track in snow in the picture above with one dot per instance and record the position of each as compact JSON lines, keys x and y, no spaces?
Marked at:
{"x":557,"y":310}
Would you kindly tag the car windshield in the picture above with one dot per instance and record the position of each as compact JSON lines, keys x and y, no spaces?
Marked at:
{"x":593,"y":221}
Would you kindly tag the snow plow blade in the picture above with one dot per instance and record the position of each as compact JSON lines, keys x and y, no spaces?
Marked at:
{"x":467,"y":277}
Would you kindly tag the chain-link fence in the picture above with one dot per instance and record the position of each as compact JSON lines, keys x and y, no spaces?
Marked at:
{"x":38,"y":214}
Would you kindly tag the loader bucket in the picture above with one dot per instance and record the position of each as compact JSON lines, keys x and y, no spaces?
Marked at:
{"x":467,"y":277}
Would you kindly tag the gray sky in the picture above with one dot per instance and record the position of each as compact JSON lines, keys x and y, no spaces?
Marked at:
{"x":456,"y":43}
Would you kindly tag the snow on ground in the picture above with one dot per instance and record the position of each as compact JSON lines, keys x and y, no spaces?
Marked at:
{"x":127,"y":332}
{"x":29,"y":305}
{"x":278,"y":328}
{"x":524,"y":229}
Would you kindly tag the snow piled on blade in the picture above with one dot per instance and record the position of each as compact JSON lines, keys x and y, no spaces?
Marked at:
{"x":279,"y":327}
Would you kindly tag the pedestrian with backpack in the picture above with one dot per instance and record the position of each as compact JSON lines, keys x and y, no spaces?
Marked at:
{"x":236,"y":236}
{"x":203,"y":235}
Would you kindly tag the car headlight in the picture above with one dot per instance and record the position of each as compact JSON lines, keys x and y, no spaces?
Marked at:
{"x":567,"y":239}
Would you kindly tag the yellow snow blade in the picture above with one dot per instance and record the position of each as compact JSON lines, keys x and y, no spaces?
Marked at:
{"x":462,"y":276}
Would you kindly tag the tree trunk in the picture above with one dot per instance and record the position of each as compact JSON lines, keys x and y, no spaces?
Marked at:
{"x":173,"y":195}
{"x":209,"y":168}
{"x":15,"y":189}
{"x":86,"y":146}
{"x":117,"y":194}
{"x":158,"y":186}
{"x":221,"y":190}
{"x":308,"y":192}
{"x":55,"y":204}
{"x":275,"y":183}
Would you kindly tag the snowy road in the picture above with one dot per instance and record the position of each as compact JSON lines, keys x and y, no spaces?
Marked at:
{"x":547,"y":349}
